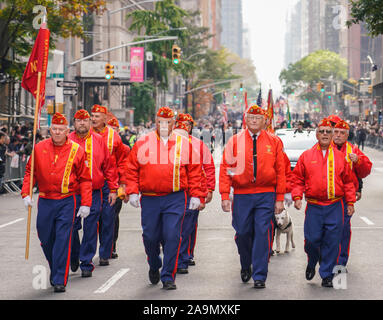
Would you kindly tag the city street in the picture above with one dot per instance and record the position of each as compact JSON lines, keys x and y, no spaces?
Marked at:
{"x":217,"y":271}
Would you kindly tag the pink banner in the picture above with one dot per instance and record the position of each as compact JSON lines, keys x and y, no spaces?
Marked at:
{"x":137,"y":64}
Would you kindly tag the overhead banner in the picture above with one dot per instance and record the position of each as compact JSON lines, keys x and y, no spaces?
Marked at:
{"x":137,"y":64}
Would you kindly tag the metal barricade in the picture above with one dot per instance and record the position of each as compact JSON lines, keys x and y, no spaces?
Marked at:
{"x":14,"y":174}
{"x":374,"y":141}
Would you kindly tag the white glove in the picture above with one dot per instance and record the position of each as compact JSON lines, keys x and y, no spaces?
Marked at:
{"x":134,"y":200}
{"x":194,"y":203}
{"x":27,"y":202}
{"x":288,"y":199}
{"x":83,"y":212}
{"x":231,"y":195}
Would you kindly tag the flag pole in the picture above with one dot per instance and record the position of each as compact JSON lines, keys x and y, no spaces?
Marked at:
{"x":35,"y":124}
{"x":33,"y":164}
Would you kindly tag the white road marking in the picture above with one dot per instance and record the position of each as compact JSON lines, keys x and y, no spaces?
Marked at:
{"x":366,"y":220}
{"x":107,"y":285}
{"x":12,"y":222}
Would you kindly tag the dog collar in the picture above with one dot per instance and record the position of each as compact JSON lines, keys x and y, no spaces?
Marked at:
{"x":289,"y":225}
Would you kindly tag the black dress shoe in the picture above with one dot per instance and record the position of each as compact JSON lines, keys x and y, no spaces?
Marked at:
{"x":114,"y":255}
{"x":169,"y":285}
{"x":327,"y":283}
{"x":59,"y":288}
{"x":191,"y":262}
{"x":86,"y":273}
{"x":310,"y":273}
{"x":154,"y":276}
{"x":50,"y":280}
{"x":259,"y":284}
{"x":182,"y":271}
{"x":74,"y":264}
{"x":104,"y":262}
{"x":246,"y":274}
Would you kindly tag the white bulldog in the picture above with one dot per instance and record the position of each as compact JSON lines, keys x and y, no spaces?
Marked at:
{"x":284,"y":225}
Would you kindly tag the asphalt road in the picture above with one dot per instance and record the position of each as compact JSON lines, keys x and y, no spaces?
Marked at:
{"x":216,"y":275}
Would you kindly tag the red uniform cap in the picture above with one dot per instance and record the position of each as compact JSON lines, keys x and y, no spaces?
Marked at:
{"x":254,"y":109}
{"x":165,"y":112}
{"x":325,"y":123}
{"x":334,"y":118}
{"x":98,"y":108}
{"x":113,"y":123}
{"x":342,"y":125}
{"x":181,"y":125}
{"x":58,"y":118}
{"x":185,"y":117}
{"x":82,"y":114}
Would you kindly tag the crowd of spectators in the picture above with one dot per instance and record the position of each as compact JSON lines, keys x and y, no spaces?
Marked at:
{"x":214,"y":129}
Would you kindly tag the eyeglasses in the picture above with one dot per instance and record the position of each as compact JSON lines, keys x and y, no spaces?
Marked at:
{"x":325,"y":131}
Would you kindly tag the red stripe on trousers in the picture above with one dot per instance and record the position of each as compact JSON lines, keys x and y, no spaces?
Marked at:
{"x":179,"y":244}
{"x":69,"y":248}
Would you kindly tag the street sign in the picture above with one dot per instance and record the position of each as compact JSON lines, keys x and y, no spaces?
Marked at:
{"x":70,"y":92}
{"x":67,"y":84}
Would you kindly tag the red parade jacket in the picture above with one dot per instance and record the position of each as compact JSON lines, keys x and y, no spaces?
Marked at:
{"x":117,"y":150}
{"x":156,"y":169}
{"x":237,"y":166}
{"x":98,"y":160}
{"x":59,"y":171}
{"x":324,"y":181}
{"x":360,"y":169}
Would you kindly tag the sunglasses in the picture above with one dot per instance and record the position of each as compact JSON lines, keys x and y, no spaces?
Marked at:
{"x":325,"y":131}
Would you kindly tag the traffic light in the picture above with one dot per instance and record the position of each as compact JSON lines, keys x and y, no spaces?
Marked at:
{"x":322,"y":87}
{"x":109,"y":71}
{"x":176,"y":54}
{"x":319,"y":87}
{"x":241,"y":86}
{"x":369,"y":89}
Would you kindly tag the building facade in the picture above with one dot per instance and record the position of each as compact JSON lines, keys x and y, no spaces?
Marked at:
{"x":232,"y":26}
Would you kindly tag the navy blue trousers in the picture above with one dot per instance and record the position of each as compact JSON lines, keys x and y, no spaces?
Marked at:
{"x":54,"y":228}
{"x":88,"y":247}
{"x":161,"y":220}
{"x":323,"y":230}
{"x":106,"y":225}
{"x":252,"y":215}
{"x":189,"y":231}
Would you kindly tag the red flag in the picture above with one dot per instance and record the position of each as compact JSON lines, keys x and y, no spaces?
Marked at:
{"x":225,"y":117}
{"x":270,"y":111}
{"x":38,"y":62}
{"x":244,"y":113}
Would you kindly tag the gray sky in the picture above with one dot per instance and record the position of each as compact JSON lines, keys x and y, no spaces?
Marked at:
{"x":266,"y":20}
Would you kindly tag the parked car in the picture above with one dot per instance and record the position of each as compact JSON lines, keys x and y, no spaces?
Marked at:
{"x":295,"y":142}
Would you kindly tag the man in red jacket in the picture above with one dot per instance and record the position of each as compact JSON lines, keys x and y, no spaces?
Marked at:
{"x":118,"y":157}
{"x":323,"y":174}
{"x":101,"y":170}
{"x":360,"y":165}
{"x":113,"y":123}
{"x":60,"y":171}
{"x":160,"y":169}
{"x":254,"y":166}
{"x":184,"y":125}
